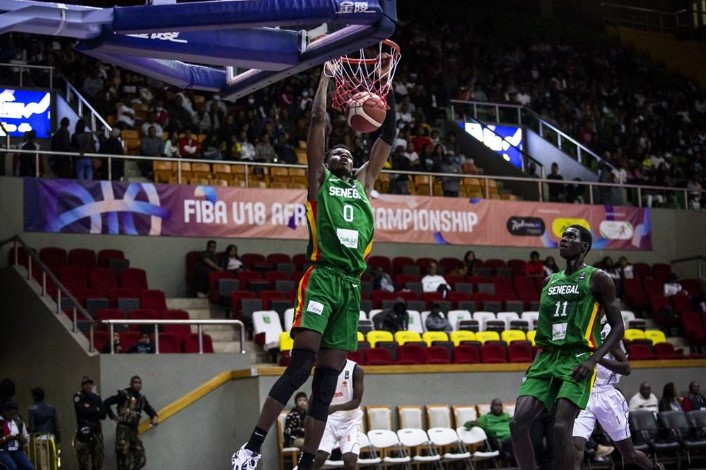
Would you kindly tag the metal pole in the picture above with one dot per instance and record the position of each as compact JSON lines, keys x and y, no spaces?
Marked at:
{"x":640,"y":199}
{"x":111,"y":331}
{"x":44,"y":283}
{"x":686,"y":199}
{"x":591,"y":194}
{"x":110,"y":170}
{"x":201,"y":339}
{"x":90,"y":338}
{"x":58,"y":301}
{"x":29,"y":267}
{"x":76,"y":320}
{"x":157,"y":339}
{"x":498,"y":113}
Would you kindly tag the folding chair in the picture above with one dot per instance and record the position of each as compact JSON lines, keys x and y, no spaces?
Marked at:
{"x":390,"y":448}
{"x":449,"y":446}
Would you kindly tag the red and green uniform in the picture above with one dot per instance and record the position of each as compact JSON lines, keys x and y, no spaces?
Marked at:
{"x":340,"y":222}
{"x":568,"y":332}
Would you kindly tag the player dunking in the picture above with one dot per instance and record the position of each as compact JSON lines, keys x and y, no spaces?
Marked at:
{"x":568,"y":335}
{"x":340,"y":222}
{"x":609,"y":407}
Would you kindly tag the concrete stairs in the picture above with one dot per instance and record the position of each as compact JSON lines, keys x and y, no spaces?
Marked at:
{"x":133,"y":173}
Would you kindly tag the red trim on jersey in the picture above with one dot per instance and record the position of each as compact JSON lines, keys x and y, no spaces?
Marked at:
{"x":301,"y":290}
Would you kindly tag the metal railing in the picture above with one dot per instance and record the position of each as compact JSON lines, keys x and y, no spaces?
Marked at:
{"x":593,"y":187}
{"x":23,"y":68}
{"x":523,"y":116}
{"x":78,"y":310}
{"x":156,"y":324}
{"x":646,"y":18}
{"x":82,"y":105}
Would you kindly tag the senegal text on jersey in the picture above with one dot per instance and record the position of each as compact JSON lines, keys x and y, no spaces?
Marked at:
{"x":561,"y":290}
{"x":351,"y":193}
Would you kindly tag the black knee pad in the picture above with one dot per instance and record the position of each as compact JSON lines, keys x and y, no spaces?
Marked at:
{"x":323,"y":388}
{"x":295,"y":375}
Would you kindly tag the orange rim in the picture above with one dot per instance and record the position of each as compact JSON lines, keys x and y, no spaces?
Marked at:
{"x":353,"y":61}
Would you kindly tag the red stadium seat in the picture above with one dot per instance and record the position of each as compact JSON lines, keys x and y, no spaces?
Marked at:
{"x":168,"y":344}
{"x":520,"y":351}
{"x":378,"y":296}
{"x":102,"y":279}
{"x":503,"y":286}
{"x":634,"y":296}
{"x":423,"y":264}
{"x":82,"y":257}
{"x":274,"y":258}
{"x":663,"y":314}
{"x":180,"y":331}
{"x":681,"y":303}
{"x":651,"y":287}
{"x":73,"y":277}
{"x":518,"y":266}
{"x":300,"y":260}
{"x":254,"y":260}
{"x":108,"y":254}
{"x":153,"y":299}
{"x":692,"y":329}
{"x":666,"y":351}
{"x":448,"y":265}
{"x":639,"y":352}
{"x":641,"y":271}
{"x":190,"y":260}
{"x":399,"y":262}
{"x":272,"y":276}
{"x":492,"y":353}
{"x":144,"y":314}
{"x":357,"y":356}
{"x":410,"y":354}
{"x":466,"y":354}
{"x":134,"y":278}
{"x":100,"y":339}
{"x":190,"y":344}
{"x":128,"y":338}
{"x":661,"y":272}
{"x":436,"y":355}
{"x":236,"y":302}
{"x":110,"y":314}
{"x":378,"y":356}
{"x":214,"y":277}
{"x":494,"y":263}
{"x":122,"y":293}
{"x":54,"y":257}
{"x":693,"y":286}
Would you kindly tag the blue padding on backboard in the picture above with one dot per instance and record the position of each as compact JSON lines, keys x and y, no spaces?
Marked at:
{"x":169,"y":71}
{"x":53,"y":19}
{"x":230,"y":14}
{"x":262,"y":48}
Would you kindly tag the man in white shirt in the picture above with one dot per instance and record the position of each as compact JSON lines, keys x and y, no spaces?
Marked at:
{"x":644,"y":399}
{"x":433,"y":282}
{"x":344,"y":422}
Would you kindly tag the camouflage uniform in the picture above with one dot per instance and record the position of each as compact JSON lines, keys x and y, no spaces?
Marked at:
{"x":89,"y":444}
{"x":129,"y":450}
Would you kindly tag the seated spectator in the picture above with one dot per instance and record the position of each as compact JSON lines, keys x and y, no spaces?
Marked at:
{"x":125,"y":116}
{"x":672,"y":286}
{"x":469,"y":167}
{"x":669,"y":401}
{"x":436,"y":321}
{"x":151,"y":122}
{"x":433,"y":282}
{"x":550,"y":266}
{"x":144,"y":345}
{"x":230,"y":261}
{"x":644,"y":399}
{"x":207,"y":262}
{"x":171,"y":146}
{"x":293,"y":434}
{"x":694,"y":400}
{"x":247,"y":149}
{"x":497,"y":425}
{"x":117,"y":348}
{"x":381,"y":280}
{"x":151,"y":143}
{"x":534,"y":267}
{"x":393,"y":318}
{"x":625,"y":269}
{"x":189,"y":145}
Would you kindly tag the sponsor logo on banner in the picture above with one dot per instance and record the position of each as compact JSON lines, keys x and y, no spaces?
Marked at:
{"x":559,"y":225}
{"x":525,"y":226}
{"x":616,"y":229}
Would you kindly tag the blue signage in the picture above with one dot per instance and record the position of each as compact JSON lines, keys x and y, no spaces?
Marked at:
{"x":507,"y":141}
{"x":25,"y":110}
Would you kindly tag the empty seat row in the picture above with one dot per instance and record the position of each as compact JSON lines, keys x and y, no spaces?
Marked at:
{"x":102,"y":279}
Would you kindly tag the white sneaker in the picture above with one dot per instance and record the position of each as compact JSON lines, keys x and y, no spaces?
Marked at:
{"x":603,"y":451}
{"x":245,"y":459}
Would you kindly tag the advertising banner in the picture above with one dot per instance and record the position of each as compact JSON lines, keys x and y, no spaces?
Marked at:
{"x":104,"y":207}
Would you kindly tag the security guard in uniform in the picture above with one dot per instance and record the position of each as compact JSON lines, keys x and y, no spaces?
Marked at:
{"x":89,"y":435}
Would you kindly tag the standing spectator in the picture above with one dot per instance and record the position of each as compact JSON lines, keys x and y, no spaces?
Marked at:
{"x":113,"y":145}
{"x":14,"y":439}
{"x":179,"y":118}
{"x":294,"y":422}
{"x":436,"y":321}
{"x":202,"y":120}
{"x":83,"y":142}
{"x":694,"y":400}
{"x":556,"y":191}
{"x":28,"y":161}
{"x":531,"y":170}
{"x":61,"y":142}
{"x":207,"y":262}
{"x":393,"y":318}
{"x":130,"y":404}
{"x":189,"y":145}
{"x":644,"y":399}
{"x":143,"y":346}
{"x":44,"y":423}
{"x":534,"y":267}
{"x":433,"y":282}
{"x":550,"y":266}
{"x":89,"y":435}
{"x":669,"y":401}
{"x":450,"y":184}
{"x":231,"y":262}
{"x":151,"y":145}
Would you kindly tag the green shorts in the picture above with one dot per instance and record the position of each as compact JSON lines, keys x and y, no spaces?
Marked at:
{"x":549,"y":378}
{"x":329,"y":302}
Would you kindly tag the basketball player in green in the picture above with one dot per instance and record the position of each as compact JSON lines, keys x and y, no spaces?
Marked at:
{"x":340,"y":221}
{"x":569,"y":339}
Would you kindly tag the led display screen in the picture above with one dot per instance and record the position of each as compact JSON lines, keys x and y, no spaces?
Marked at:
{"x":507,"y":141}
{"x":25,"y":110}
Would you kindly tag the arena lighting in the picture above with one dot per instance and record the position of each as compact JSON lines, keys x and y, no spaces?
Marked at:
{"x":25,"y":110}
{"x":507,"y":141}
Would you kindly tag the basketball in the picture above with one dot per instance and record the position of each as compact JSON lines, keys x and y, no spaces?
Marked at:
{"x":365,"y":112}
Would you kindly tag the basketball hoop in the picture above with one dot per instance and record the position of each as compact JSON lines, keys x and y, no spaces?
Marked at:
{"x":364,"y":72}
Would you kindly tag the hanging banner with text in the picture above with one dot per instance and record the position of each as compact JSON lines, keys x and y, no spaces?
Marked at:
{"x":104,"y":207}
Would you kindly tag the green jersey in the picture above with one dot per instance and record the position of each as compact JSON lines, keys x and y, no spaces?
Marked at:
{"x":569,"y":316}
{"x":340,"y":221}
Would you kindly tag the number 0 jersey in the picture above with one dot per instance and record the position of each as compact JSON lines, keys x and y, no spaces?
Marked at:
{"x":340,"y":221}
{"x":569,"y":317}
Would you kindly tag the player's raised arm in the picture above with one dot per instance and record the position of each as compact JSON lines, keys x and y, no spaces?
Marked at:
{"x":316,"y":139}
{"x":369,"y":171}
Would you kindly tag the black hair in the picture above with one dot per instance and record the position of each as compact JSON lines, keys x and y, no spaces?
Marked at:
{"x":300,"y":395}
{"x":210,"y":242}
{"x":534,"y":253}
{"x":9,"y":405}
{"x":584,"y":235}
{"x":337,"y":146}
{"x":135,"y":377}
{"x":37,"y":393}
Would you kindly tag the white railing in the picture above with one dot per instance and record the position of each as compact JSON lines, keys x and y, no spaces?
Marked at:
{"x":23,"y":68}
{"x":156,"y":324}
{"x":81,"y":105}
{"x":539,"y":183}
{"x":523,"y":116}
{"x":646,"y":18}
